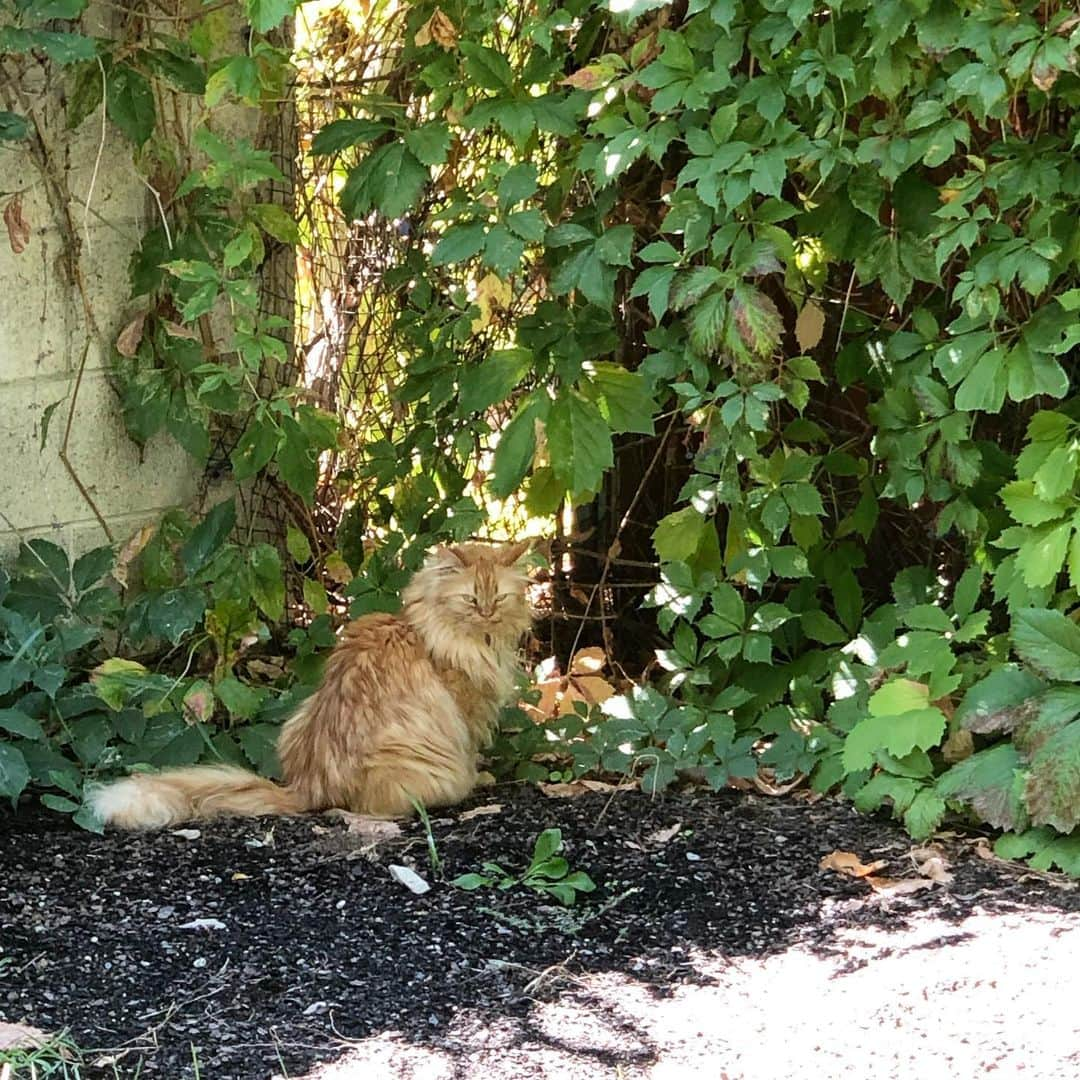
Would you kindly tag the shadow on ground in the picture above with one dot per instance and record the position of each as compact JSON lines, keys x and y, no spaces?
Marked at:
{"x":312,"y":947}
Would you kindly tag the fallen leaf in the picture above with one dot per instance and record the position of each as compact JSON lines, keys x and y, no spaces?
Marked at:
{"x":588,"y":661}
{"x":662,"y":836}
{"x":18,"y":228}
{"x":439,"y":29}
{"x":187,"y":834}
{"x":410,"y":879}
{"x":809,"y":326}
{"x":21,"y":1037}
{"x":374,"y":829}
{"x":849,"y":864}
{"x":130,"y":551}
{"x":931,"y":863}
{"x":238,"y":876}
{"x":481,"y":811}
{"x":573,"y":789}
{"x":127,"y":344}
{"x":897,"y":886}
{"x":266,"y":669}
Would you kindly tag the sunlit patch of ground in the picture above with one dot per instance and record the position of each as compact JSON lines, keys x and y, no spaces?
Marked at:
{"x":990,"y":995}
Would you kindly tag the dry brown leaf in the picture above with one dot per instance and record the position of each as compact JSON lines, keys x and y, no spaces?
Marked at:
{"x":849,"y":864}
{"x":586,"y":78}
{"x":810,"y":325}
{"x":439,"y":29}
{"x":593,"y":689}
{"x":18,"y":228}
{"x":337,"y":569}
{"x":198,"y":703}
{"x":1044,"y":76}
{"x":21,"y":1037}
{"x":936,"y":869}
{"x":574,"y":788}
{"x":662,"y":836}
{"x":130,"y":551}
{"x":176,"y":330}
{"x":481,"y":811}
{"x":127,"y":344}
{"x":588,"y":661}
{"x":959,"y":745}
{"x":898,"y":886}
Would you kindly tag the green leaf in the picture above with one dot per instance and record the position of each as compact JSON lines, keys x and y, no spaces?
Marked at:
{"x":297,"y":460}
{"x":488,"y":68}
{"x":987,"y":782}
{"x":1041,"y":557}
{"x":90,"y":568}
{"x":1048,"y":641}
{"x":924,"y":814}
{"x":13,"y":126}
{"x":579,"y":442}
{"x":260,"y":746}
{"x":547,"y":844}
{"x":1000,"y":701}
{"x":241,"y":701}
{"x":59,"y":46}
{"x":518,"y":184}
{"x":430,"y":142}
{"x":18,"y":723}
{"x":297,"y":545}
{"x":1027,"y":507}
{"x":390,"y":179}
{"x":315,"y":596}
{"x":983,"y":389}
{"x":130,"y":104}
{"x":678,"y":536}
{"x":341,"y":134}
{"x":264,"y":15}
{"x":899,"y":696}
{"x":14,"y":774}
{"x":208,"y":536}
{"x":1052,"y":791}
{"x":517,"y":445}
{"x":275,"y":221}
{"x":898,"y":734}
{"x":623,"y":397}
{"x":493,"y":380}
{"x":460,"y":243}
{"x":268,"y":586}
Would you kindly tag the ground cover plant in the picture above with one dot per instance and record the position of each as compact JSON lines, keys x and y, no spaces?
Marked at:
{"x":789,"y":291}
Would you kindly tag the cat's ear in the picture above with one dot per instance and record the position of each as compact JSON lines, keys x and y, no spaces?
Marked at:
{"x":444,"y":560}
{"x":512,"y":552}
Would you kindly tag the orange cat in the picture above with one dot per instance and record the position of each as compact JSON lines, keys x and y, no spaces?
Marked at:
{"x":405,"y":704}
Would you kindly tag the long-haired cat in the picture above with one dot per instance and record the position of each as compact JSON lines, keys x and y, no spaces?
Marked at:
{"x":405,"y":704}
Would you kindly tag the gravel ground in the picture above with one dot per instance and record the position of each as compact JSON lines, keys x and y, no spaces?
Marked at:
{"x":720,"y":948}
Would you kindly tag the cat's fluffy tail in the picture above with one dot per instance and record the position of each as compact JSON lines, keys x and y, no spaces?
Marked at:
{"x":153,"y":800}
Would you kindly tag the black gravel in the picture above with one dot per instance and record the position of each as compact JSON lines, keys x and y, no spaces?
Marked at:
{"x":319,"y":943}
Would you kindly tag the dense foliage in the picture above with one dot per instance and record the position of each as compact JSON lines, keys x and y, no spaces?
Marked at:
{"x":835,"y":248}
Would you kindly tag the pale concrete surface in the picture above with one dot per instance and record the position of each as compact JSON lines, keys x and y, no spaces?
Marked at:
{"x":993,"y":994}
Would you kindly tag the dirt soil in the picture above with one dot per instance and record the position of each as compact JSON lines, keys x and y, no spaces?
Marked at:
{"x":256,"y":949}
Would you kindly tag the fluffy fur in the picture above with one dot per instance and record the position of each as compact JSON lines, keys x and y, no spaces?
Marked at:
{"x":405,"y":704}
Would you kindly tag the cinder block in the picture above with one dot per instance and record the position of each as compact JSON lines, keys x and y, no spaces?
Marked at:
{"x":39,"y":493}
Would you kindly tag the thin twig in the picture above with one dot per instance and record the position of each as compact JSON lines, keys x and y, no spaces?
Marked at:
{"x":100,"y":152}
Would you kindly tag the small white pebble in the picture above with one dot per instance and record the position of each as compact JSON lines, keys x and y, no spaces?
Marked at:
{"x":340,"y":904}
{"x":200,"y":962}
{"x":409,"y":878}
{"x":692,"y":857}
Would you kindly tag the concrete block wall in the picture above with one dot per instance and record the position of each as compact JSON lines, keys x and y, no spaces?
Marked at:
{"x":43,"y":332}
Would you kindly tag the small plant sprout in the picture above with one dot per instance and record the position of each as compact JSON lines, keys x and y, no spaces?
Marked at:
{"x":548,"y":873}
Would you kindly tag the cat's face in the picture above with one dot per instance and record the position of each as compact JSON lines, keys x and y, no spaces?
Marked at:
{"x":481,"y":588}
